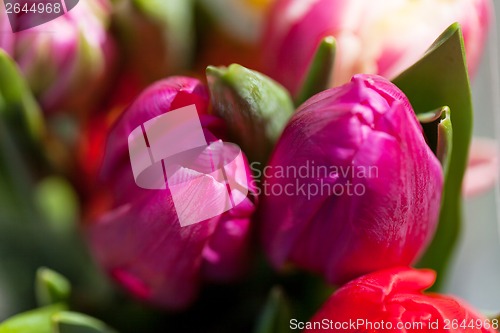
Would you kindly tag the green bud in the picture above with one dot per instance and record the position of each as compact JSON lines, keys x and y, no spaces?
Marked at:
{"x":51,"y":287}
{"x":255,"y":108}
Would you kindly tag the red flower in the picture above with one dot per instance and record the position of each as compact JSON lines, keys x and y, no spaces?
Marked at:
{"x":392,"y":301}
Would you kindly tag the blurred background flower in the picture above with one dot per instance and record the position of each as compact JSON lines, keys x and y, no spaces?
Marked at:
{"x":242,"y":20}
{"x":372,"y":37}
{"x":229,"y":31}
{"x":68,"y":61}
{"x":482,"y":170}
{"x":156,"y":37}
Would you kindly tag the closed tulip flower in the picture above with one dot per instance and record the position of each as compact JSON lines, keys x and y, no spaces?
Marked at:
{"x":352,"y":187}
{"x":376,"y":37}
{"x":393,"y":300}
{"x":67,"y":59}
{"x":138,"y":238}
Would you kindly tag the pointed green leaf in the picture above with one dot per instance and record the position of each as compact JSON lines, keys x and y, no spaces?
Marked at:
{"x":35,"y":321}
{"x":445,"y":140}
{"x":320,"y":72}
{"x":440,"y":78}
{"x":255,"y":108}
{"x":439,"y":133}
{"x":51,"y":287}
{"x":16,"y":180}
{"x":275,"y":317}
{"x":72,"y":322}
{"x":21,"y":134}
{"x":18,"y":107}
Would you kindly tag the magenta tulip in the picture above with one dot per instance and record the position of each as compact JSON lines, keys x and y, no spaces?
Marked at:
{"x":65,"y":61}
{"x":376,"y":37}
{"x":352,"y":186}
{"x":139,"y":240}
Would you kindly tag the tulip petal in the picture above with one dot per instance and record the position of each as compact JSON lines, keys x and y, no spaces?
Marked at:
{"x":145,"y":247}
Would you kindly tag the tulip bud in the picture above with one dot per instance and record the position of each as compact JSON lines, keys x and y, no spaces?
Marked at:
{"x":373,"y":37}
{"x":393,"y":301}
{"x":352,"y":186}
{"x":64,"y":60}
{"x":139,"y":240}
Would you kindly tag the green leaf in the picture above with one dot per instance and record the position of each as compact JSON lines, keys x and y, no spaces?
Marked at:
{"x":16,"y":181}
{"x":439,"y":133}
{"x":18,"y":107}
{"x":319,"y":74}
{"x":72,"y":322}
{"x":21,"y":136}
{"x":58,"y":202}
{"x":440,"y":78}
{"x":51,"y":287}
{"x":35,"y":321}
{"x":445,"y":140}
{"x":255,"y":108}
{"x":275,"y":317}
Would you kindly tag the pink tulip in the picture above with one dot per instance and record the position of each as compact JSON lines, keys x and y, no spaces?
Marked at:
{"x":352,"y":186}
{"x":65,"y":60}
{"x":139,"y":240}
{"x":377,"y":37}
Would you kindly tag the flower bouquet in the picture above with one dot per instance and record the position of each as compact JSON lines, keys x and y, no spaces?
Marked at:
{"x":248,"y":166}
